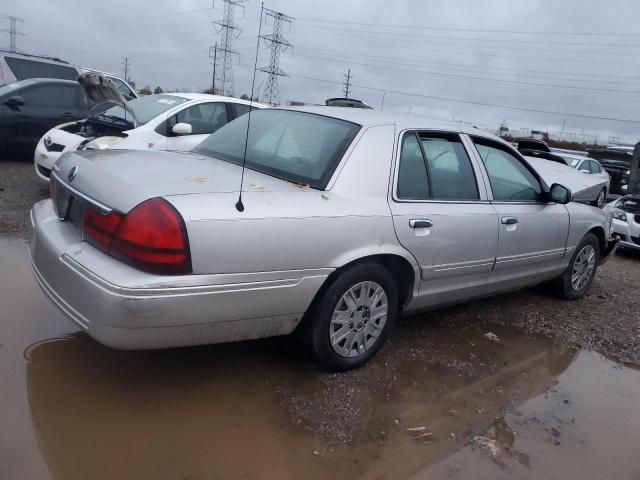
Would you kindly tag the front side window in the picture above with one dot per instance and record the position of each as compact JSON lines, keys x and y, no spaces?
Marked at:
{"x":594,"y":167}
{"x":204,"y":118}
{"x":122,"y":87}
{"x":300,"y":147}
{"x":510,"y":179}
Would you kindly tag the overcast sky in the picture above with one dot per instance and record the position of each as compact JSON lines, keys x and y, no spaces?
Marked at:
{"x":447,"y":59}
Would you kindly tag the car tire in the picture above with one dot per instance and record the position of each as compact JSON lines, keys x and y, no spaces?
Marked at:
{"x":601,"y":199}
{"x":574,"y":283}
{"x":347,"y":323}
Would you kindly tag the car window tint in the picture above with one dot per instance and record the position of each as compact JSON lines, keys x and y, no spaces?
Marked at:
{"x":23,"y":68}
{"x":54,"y":96}
{"x":204,"y":118}
{"x":413,"y":181}
{"x":450,"y":169}
{"x":510,"y":179}
{"x":241,"y":109}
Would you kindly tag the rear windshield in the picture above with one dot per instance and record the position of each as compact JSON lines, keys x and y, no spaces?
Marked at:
{"x":146,"y":108}
{"x":23,"y":69}
{"x":299,"y":147}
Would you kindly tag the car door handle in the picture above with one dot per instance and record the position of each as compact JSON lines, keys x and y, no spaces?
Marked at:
{"x":420,"y":223}
{"x":509,"y":220}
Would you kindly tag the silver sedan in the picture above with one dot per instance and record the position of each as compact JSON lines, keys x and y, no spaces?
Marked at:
{"x":347,"y":219}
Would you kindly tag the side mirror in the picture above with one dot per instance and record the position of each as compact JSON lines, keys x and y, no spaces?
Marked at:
{"x":560,"y":194}
{"x":585,"y":171}
{"x":15,"y":101}
{"x":182,"y":129}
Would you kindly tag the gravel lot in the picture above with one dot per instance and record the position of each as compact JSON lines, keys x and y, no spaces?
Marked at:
{"x":19,"y":189}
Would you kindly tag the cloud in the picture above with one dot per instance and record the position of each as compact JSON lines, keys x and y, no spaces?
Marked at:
{"x":578,"y":57}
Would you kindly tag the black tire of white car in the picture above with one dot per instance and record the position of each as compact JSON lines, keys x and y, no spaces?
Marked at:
{"x":565,"y":287}
{"x":324,"y":319}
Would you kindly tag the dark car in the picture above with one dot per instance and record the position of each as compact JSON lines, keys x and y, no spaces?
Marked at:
{"x":616,"y":161}
{"x":29,"y":108}
{"x":532,"y":147}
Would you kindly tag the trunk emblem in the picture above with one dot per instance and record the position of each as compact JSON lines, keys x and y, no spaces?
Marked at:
{"x":73,"y":173}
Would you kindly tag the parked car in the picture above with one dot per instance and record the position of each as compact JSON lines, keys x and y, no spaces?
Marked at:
{"x":29,"y":108}
{"x":617,"y":162}
{"x":625,"y":212}
{"x":346,"y":102}
{"x":16,"y":66}
{"x":591,"y":189}
{"x":348,"y":218}
{"x":176,"y":121}
{"x":123,"y":87}
{"x":592,"y":167}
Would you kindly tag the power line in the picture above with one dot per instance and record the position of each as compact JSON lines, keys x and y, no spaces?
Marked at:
{"x":473,"y":102}
{"x":277,"y":44}
{"x":476,"y":30}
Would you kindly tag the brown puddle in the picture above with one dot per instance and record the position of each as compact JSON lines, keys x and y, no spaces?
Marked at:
{"x":522,"y":407}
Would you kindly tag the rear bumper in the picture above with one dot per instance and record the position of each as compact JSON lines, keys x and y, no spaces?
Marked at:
{"x":124,"y":308}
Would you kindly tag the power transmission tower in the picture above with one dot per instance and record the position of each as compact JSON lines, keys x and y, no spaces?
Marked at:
{"x":347,"y":84}
{"x":228,"y":32}
{"x":277,"y":44}
{"x":12,"y":30}
{"x":125,"y":68}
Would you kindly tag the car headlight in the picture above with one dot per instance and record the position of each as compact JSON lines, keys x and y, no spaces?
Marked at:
{"x":618,"y":214}
{"x":102,"y":143}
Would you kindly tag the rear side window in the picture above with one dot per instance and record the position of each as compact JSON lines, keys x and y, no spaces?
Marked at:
{"x":413,"y":182}
{"x":122,"y":87}
{"x":23,"y":69}
{"x":594,"y":167}
{"x":510,"y":179}
{"x":53,"y":96}
{"x":450,"y":169}
{"x":435,"y":166}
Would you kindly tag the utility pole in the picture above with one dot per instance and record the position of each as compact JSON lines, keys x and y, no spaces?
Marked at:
{"x":277,"y":44}
{"x":228,"y":32}
{"x":125,"y":68}
{"x":214,"y":58}
{"x":347,"y":84}
{"x":12,"y":30}
{"x":564,"y":120}
{"x":384,"y":94}
{"x":634,"y":178}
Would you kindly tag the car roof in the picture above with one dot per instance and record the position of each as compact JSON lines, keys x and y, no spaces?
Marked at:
{"x":207,"y":96}
{"x":369,"y":118}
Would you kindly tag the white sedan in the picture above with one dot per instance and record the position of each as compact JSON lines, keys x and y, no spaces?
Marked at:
{"x":175,"y":121}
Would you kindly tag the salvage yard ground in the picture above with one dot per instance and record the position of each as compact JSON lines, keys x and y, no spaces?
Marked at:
{"x":554,"y":391}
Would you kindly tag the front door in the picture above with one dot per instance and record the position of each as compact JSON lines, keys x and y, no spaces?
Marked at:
{"x":533,"y":233}
{"x":442,"y":216}
{"x":204,"y":118}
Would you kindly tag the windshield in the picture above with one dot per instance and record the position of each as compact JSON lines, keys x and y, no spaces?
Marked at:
{"x":299,"y":147}
{"x":145,"y":108}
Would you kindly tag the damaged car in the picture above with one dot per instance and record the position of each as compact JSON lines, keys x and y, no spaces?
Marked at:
{"x":625,"y":225}
{"x":330,"y":222}
{"x":175,"y":121}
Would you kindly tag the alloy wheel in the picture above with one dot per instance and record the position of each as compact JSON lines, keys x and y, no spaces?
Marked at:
{"x":583,"y":267}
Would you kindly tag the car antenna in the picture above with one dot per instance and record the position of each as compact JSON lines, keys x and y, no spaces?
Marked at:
{"x":239,"y":204}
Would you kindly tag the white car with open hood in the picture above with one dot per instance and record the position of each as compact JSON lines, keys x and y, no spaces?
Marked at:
{"x":173,"y":121}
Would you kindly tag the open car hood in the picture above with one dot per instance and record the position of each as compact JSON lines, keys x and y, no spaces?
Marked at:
{"x":102,"y":94}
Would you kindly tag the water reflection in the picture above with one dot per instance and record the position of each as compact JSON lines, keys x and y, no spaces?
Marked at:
{"x":249,"y":410}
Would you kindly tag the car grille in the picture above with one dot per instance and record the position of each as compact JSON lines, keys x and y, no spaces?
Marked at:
{"x":53,"y":147}
{"x":44,"y":171}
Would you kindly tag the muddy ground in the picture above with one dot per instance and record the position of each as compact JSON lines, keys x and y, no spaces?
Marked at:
{"x":556,"y":396}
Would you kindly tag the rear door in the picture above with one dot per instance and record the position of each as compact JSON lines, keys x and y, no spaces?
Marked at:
{"x":533,"y":233}
{"x":204,"y":118}
{"x":442,"y":216}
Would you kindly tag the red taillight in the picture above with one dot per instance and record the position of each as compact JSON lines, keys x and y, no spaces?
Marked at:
{"x":151,"y":237}
{"x":99,"y":229}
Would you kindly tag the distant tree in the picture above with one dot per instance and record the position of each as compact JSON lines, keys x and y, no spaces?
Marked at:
{"x":146,"y":90}
{"x":157,"y":90}
{"x":211,"y":92}
{"x":244,"y":96}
